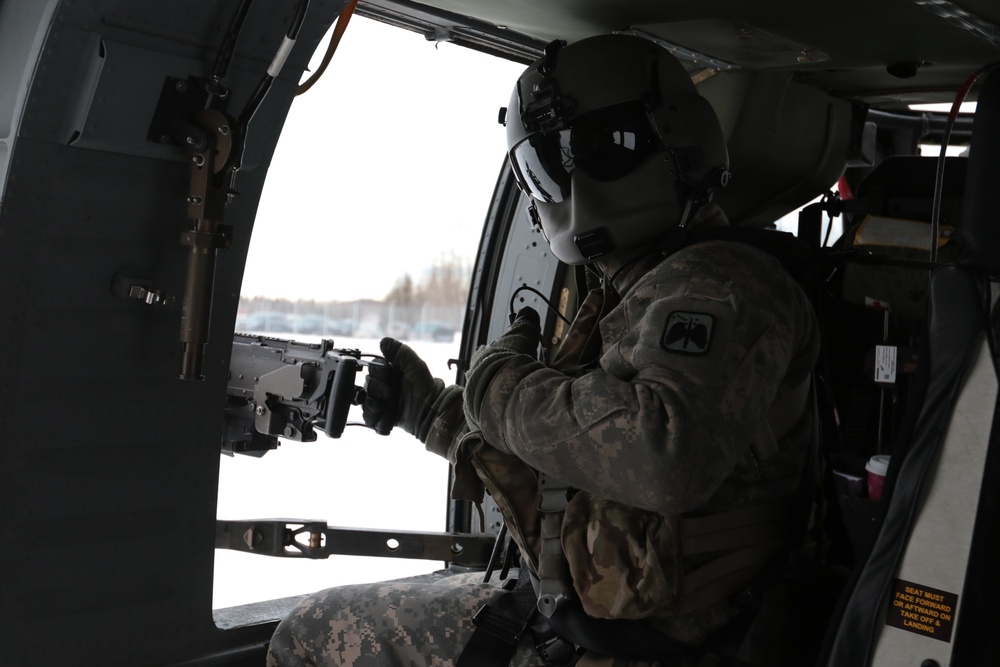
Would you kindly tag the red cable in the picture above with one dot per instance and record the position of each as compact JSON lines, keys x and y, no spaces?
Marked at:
{"x":338,"y":32}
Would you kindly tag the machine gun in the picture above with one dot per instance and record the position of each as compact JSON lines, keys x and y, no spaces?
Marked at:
{"x":291,"y":389}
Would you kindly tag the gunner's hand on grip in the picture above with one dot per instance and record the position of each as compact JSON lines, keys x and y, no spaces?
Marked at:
{"x":380,"y":409}
{"x":410,"y":397}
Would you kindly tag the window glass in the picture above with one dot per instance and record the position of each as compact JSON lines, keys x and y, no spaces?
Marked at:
{"x":368,"y":225}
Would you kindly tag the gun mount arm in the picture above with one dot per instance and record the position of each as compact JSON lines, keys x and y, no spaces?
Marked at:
{"x":296,"y":538}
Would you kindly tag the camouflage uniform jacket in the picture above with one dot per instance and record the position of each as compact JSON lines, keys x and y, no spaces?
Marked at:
{"x":701,"y":346}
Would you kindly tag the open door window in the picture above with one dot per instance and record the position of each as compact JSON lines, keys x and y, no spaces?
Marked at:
{"x":380,"y":243}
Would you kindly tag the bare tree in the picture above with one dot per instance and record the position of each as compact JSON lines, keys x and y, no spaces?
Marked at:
{"x":446,"y":283}
{"x":402,"y":292}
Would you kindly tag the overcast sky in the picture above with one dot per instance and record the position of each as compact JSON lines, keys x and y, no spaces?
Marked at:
{"x":386,"y":163}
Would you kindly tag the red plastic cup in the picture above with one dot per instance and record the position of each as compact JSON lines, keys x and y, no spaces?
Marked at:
{"x":877,"y":467}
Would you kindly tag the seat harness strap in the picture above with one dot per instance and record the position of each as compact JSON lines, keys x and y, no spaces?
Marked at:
{"x":554,"y":587}
{"x":500,"y":625}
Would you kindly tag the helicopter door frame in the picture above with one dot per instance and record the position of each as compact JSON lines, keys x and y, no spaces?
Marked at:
{"x":511,"y":253}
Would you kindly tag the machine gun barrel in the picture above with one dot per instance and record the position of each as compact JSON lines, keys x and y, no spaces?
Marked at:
{"x":289,"y":389}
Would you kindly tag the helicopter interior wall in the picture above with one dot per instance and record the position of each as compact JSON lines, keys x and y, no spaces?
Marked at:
{"x":787,"y":142}
{"x":109,"y":464}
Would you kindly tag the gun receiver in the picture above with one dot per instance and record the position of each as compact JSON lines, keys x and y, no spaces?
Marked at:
{"x":290,"y":389}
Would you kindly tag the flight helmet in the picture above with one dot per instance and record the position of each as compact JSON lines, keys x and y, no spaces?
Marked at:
{"x":614,"y":145}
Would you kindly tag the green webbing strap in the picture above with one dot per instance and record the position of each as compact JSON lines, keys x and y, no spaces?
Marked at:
{"x":735,"y":529}
{"x":725,"y":576}
{"x":554,"y":588}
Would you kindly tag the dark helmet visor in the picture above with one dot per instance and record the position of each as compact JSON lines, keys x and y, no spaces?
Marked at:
{"x":606,"y":144}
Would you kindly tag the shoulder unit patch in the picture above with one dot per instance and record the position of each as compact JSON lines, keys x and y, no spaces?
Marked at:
{"x":688,"y":333}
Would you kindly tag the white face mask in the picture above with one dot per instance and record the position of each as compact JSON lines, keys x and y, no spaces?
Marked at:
{"x":601,"y":218}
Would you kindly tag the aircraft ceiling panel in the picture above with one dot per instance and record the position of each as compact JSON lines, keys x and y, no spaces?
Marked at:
{"x":848,"y":45}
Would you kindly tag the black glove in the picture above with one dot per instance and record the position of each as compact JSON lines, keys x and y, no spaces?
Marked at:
{"x":380,"y":409}
{"x":404,"y":393}
{"x":521,"y":339}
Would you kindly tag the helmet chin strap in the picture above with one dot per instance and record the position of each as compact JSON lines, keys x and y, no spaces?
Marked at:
{"x":674,"y":238}
{"x":699,"y":198}
{"x":686,"y":213}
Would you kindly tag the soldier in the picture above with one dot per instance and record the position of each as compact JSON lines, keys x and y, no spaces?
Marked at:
{"x":672,"y":417}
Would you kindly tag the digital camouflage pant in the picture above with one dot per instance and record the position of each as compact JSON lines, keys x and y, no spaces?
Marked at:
{"x":420,"y":622}
{"x":423,"y":622}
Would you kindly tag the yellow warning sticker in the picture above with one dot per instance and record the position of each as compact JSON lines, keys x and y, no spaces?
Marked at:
{"x":921,"y":609}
